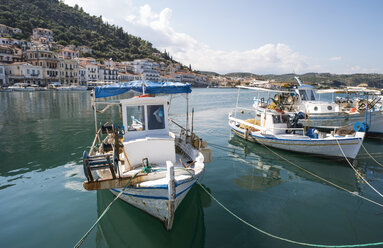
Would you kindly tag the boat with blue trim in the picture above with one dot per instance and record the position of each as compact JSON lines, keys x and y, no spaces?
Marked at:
{"x":159,"y":166}
{"x":346,"y":107}
{"x":276,"y":129}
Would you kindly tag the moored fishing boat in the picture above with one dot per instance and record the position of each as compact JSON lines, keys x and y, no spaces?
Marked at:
{"x":359,"y":105}
{"x":159,"y":166}
{"x":275,"y":129}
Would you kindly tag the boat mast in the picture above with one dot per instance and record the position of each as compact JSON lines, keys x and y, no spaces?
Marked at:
{"x":187,"y":114}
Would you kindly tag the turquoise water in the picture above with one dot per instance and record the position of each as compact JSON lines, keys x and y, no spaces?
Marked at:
{"x":43,"y":204}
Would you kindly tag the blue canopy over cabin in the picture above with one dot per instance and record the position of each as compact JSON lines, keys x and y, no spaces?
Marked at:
{"x":141,"y":86}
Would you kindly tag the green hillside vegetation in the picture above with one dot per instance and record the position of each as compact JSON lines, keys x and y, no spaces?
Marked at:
{"x":71,"y":25}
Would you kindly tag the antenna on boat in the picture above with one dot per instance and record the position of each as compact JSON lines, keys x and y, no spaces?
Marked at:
{"x":299,"y":81}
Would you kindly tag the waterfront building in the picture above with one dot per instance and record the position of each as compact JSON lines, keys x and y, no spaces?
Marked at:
{"x":91,"y":71}
{"x":82,"y":75}
{"x":23,"y":72}
{"x":106,"y":74}
{"x":2,"y":75}
{"x":48,"y":60}
{"x":68,"y":71}
{"x":167,"y":78}
{"x":127,"y":77}
{"x":150,"y":75}
{"x":140,"y":65}
{"x":185,"y":77}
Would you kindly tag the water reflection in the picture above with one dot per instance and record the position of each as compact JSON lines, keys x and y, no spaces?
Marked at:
{"x":41,"y":130}
{"x":271,"y":170}
{"x":127,"y":226}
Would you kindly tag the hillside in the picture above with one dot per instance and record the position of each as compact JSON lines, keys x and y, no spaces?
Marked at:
{"x":321,"y":80}
{"x":71,"y":25}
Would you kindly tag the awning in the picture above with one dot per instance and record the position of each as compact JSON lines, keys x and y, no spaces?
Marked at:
{"x":143,"y":87}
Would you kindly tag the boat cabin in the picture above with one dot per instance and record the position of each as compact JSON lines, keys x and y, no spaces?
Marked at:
{"x":145,"y":121}
{"x":274,"y":122}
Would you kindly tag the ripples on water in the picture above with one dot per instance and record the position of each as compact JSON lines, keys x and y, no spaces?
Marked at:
{"x":43,"y":135}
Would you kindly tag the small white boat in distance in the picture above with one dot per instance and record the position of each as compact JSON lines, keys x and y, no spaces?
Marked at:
{"x":275,"y":129}
{"x":162,"y":167}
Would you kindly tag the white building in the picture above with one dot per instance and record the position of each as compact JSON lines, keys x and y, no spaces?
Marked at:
{"x":140,"y":65}
{"x":23,"y":72}
{"x":127,"y":77}
{"x":150,"y":75}
{"x":107,"y":74}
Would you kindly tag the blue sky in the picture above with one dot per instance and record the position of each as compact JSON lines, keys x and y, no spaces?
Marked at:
{"x":274,"y":36}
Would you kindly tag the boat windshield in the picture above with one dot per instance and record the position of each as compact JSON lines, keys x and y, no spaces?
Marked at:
{"x":307,"y":95}
{"x":137,"y":118}
{"x":156,"y":117}
{"x":280,"y":118}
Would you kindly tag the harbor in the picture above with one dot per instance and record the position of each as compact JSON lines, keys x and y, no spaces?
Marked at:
{"x":296,"y":196}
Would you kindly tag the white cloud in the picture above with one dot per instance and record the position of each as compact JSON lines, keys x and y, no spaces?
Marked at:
{"x":156,"y":27}
{"x":335,"y":59}
{"x":269,"y":58}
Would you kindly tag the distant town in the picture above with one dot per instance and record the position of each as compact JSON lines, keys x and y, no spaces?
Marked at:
{"x":40,"y":61}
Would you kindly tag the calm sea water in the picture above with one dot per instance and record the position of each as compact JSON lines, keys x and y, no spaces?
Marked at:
{"x":43,"y":204}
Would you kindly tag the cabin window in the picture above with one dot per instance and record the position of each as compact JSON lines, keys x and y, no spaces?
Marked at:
{"x":312,"y":96}
{"x":280,"y":118}
{"x":303,"y":94}
{"x":136,"y":118}
{"x":156,"y":117}
{"x":285,"y":118}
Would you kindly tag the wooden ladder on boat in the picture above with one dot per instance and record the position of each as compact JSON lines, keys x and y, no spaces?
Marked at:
{"x":97,"y":162}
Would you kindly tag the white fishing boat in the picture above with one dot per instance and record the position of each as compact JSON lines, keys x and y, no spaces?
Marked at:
{"x":366,"y":107}
{"x":276,"y":130}
{"x":160,"y":166}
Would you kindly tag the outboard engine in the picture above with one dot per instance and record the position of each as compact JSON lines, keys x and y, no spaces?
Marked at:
{"x":293,"y":123}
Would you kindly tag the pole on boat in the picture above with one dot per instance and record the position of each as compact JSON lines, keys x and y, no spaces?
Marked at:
{"x":192,"y":123}
{"x":187,"y":114}
{"x":171,"y":194}
{"x":95,"y":110}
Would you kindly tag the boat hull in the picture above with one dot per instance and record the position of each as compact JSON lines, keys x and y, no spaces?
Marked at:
{"x":322,"y":147}
{"x":339,"y":119}
{"x":155,"y":200}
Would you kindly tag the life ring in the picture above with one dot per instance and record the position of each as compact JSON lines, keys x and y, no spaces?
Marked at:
{"x":279,"y":110}
{"x":361,"y":126}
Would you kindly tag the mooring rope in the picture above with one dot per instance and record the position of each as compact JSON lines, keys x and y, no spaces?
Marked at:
{"x":278,"y":237}
{"x":371,"y":156}
{"x":364,"y":180}
{"x":314,"y":175}
{"x":105,"y":211}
